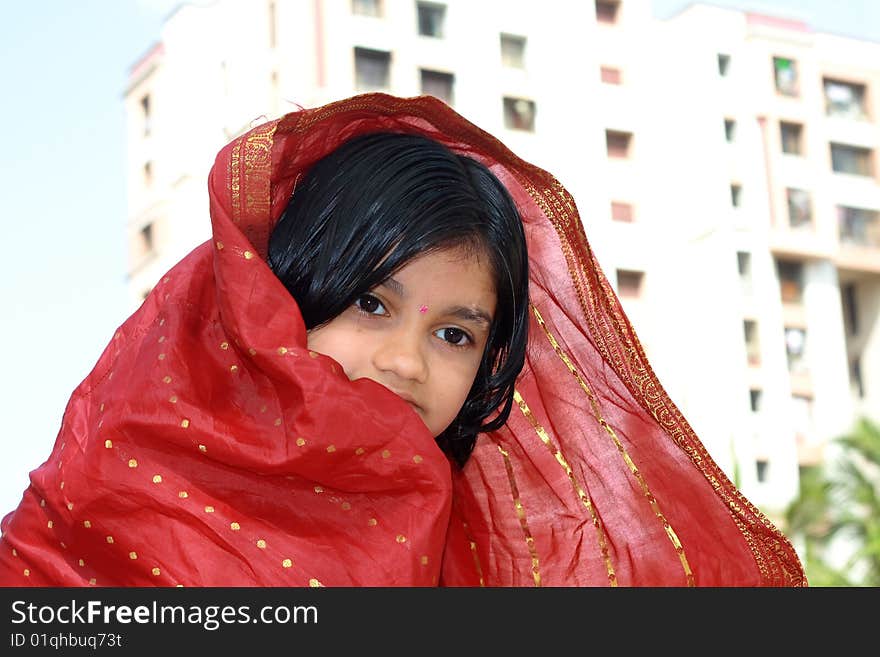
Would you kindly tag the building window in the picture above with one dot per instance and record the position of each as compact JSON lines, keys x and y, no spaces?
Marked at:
{"x":513,"y":51}
{"x":618,"y":143}
{"x":761,"y":467}
{"x":146,"y":111}
{"x":519,"y":114}
{"x":744,"y":267}
{"x":723,"y":65}
{"x":800,"y":208}
{"x":736,"y":195}
{"x":146,"y":237}
{"x":148,"y":173}
{"x":753,"y":347}
{"x":786,"y":76}
{"x":431,"y":18}
{"x":729,"y":130}
{"x":629,"y":283}
{"x":851,"y":159}
{"x":621,"y":211}
{"x":366,"y":7}
{"x":792,"y":135}
{"x":744,"y":264}
{"x":435,"y":83}
{"x":610,"y":75}
{"x":856,"y":381}
{"x":372,"y":69}
{"x":755,"y":395}
{"x":791,"y":280}
{"x":606,"y":11}
{"x":858,"y":226}
{"x":844,"y":99}
{"x":795,"y":347}
{"x":850,"y":309}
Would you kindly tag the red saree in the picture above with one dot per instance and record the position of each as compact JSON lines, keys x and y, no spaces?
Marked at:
{"x":210,"y":447}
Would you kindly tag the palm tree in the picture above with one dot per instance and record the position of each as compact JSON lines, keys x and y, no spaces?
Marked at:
{"x":836,"y":517}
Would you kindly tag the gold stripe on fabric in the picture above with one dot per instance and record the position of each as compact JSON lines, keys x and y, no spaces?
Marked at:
{"x":670,"y":532}
{"x":472,"y":544}
{"x":521,"y":514}
{"x":584,"y":498}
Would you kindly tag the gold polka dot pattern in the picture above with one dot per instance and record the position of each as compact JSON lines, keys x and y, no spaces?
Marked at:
{"x":192,"y":420}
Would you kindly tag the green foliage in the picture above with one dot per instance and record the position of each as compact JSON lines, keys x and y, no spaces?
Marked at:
{"x":839,"y":504}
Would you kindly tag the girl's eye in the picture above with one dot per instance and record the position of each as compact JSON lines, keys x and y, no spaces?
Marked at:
{"x":369,"y":304}
{"x":453,"y":336}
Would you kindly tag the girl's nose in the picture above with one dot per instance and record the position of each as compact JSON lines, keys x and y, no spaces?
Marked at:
{"x":401,"y":353}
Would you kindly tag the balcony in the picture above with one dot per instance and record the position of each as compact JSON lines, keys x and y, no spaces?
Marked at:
{"x":859,"y":236}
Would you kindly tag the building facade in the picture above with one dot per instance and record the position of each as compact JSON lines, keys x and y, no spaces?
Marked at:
{"x":724,"y":164}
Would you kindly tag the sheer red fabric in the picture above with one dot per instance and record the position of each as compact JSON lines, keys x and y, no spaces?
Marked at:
{"x":209,"y":446}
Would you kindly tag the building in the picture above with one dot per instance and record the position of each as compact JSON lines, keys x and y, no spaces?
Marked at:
{"x":259,"y":60}
{"x":724,"y":163}
{"x":778,"y":147}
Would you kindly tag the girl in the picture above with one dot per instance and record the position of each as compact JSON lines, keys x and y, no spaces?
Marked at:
{"x":362,"y":379}
{"x":446,"y":224}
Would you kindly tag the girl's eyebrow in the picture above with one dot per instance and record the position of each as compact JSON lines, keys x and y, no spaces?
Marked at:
{"x":476,"y":315}
{"x":394,"y":285}
{"x":464,"y":313}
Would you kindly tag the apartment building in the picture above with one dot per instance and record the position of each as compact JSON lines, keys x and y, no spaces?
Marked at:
{"x":724,"y":164}
{"x":221,"y":68}
{"x":766,"y":155}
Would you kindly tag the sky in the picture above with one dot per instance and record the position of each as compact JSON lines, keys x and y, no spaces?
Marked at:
{"x":63,"y":71}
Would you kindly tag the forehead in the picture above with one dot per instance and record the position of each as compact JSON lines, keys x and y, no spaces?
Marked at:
{"x":461,"y":274}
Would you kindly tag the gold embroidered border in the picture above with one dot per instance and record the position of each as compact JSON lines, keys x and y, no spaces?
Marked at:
{"x":584,"y":498}
{"x":521,"y":514}
{"x":235,"y":179}
{"x":670,"y":532}
{"x":258,"y":168}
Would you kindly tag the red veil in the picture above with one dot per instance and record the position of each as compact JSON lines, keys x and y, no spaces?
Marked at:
{"x":210,"y":447}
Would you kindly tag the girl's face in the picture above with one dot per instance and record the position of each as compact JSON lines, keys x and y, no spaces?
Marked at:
{"x":421,"y":333}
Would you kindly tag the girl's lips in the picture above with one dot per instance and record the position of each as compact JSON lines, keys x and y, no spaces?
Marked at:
{"x":409,"y":399}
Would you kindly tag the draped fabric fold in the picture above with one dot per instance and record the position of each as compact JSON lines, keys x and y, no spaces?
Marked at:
{"x":209,"y":446}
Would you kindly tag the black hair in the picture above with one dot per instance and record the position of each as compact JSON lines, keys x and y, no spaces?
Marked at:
{"x":364,"y":211}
